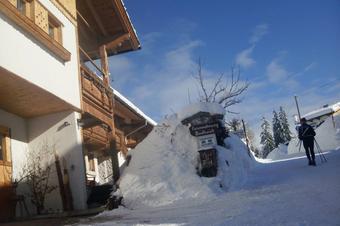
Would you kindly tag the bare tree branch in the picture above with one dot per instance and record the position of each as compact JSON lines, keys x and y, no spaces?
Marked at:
{"x":226,"y":94}
{"x":200,"y":80}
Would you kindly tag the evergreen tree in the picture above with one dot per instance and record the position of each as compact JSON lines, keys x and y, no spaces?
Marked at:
{"x":266,"y":138}
{"x":286,"y":134}
{"x":277,"y":130}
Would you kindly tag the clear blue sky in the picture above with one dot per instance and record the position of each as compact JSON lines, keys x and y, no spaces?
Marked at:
{"x":283,"y":48}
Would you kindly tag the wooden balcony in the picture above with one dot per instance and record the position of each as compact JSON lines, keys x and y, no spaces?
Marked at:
{"x":97,"y":100}
{"x":97,"y":138}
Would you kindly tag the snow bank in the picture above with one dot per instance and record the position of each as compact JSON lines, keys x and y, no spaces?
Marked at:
{"x":163,"y":166}
{"x":278,"y":153}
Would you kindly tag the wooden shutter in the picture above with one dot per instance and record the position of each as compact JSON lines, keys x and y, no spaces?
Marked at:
{"x":40,"y":16}
{"x":5,"y":164}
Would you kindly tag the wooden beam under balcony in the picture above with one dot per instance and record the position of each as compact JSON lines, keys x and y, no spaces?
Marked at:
{"x":118,"y":41}
{"x":27,"y":100}
{"x":96,"y":17}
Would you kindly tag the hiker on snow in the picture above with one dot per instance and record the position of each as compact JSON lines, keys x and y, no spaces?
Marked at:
{"x":306,"y":134}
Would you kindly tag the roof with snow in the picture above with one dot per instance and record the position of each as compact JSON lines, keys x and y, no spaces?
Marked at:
{"x":327,"y":110}
{"x":133,"y":107}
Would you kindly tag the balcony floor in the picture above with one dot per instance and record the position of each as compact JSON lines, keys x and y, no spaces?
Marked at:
{"x":20,"y":97}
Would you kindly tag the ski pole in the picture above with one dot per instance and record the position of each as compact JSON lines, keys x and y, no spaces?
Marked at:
{"x":320,"y":151}
{"x":321,"y":155}
{"x":321,"y":159}
{"x":300,"y":145}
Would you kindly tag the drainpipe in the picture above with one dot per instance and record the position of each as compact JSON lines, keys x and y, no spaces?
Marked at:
{"x":136,"y":130}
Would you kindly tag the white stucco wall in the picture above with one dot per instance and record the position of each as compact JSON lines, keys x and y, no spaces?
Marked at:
{"x":24,"y":56}
{"x":19,"y":139}
{"x":19,"y":148}
{"x":61,"y":130}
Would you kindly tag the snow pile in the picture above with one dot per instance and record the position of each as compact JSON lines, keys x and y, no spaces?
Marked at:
{"x":163,"y":167}
{"x":278,"y":153}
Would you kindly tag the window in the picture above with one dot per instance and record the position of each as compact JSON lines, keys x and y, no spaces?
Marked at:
{"x":36,"y":20}
{"x":21,"y":6}
{"x":25,"y":7}
{"x":54,"y":29}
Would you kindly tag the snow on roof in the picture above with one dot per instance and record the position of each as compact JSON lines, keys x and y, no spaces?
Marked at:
{"x":191,"y":109}
{"x":322,"y":111}
{"x":133,"y":107}
{"x":133,"y":27}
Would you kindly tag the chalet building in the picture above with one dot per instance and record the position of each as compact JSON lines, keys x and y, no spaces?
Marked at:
{"x":52,"y":91}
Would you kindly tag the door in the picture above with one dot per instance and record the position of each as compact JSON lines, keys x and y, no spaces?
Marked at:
{"x":6,"y":189}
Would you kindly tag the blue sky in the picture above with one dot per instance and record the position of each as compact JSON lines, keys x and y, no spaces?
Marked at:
{"x":282,"y":47}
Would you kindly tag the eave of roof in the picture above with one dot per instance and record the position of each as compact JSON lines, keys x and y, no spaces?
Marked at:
{"x":133,"y":107}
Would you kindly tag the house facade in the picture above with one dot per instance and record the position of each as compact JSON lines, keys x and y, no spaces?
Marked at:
{"x":55,"y":90}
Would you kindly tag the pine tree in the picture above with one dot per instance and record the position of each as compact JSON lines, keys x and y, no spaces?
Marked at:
{"x":277,"y":130}
{"x":286,"y":134}
{"x":266,"y":138}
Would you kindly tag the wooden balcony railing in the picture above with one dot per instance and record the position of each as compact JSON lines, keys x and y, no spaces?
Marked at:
{"x":97,"y":99}
{"x":98,"y":137}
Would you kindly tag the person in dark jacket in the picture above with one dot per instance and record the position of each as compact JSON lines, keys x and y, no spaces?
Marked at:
{"x":306,"y":134}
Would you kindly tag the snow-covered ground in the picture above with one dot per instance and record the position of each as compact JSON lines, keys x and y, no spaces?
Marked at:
{"x":284,"y":192}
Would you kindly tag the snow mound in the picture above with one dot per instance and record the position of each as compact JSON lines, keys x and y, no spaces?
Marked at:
{"x":278,"y":153}
{"x":163,"y":166}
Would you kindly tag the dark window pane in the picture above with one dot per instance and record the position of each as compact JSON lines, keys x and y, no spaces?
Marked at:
{"x":51,"y":30}
{"x":21,"y":5}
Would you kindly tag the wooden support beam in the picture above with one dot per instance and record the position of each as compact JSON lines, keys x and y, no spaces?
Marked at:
{"x":91,"y":61}
{"x":118,"y":41}
{"x":124,"y":19}
{"x":96,"y":17}
{"x":105,"y":65}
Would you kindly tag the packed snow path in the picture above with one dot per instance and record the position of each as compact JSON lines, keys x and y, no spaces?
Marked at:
{"x":286,"y":192}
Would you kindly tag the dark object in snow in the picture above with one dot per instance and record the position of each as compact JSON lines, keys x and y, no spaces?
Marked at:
{"x":208,"y":163}
{"x":114,"y":202}
{"x":226,"y":162}
{"x":128,"y":159}
{"x":99,"y":195}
